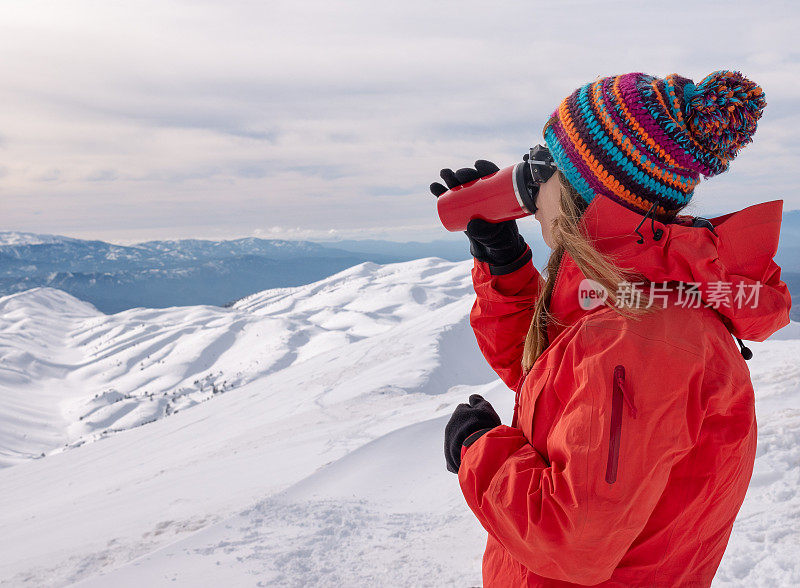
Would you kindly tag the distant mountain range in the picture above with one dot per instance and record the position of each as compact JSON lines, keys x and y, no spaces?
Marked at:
{"x":159,"y":274}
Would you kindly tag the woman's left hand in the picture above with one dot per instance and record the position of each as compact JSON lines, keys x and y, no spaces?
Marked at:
{"x":468,"y":423}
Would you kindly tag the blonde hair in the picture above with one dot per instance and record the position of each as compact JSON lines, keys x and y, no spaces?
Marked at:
{"x":596,"y":266}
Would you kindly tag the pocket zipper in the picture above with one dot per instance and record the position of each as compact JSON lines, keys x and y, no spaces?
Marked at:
{"x":617,"y":397}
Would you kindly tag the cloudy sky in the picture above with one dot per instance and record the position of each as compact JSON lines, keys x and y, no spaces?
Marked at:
{"x":146,"y":119}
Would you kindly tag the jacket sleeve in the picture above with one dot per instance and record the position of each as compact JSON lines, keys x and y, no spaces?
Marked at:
{"x":502,"y":312}
{"x":566,"y":517}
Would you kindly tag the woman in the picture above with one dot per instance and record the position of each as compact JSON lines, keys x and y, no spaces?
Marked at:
{"x":634,"y":435}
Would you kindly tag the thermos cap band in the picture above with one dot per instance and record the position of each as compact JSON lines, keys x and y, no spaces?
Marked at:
{"x":518,"y":179}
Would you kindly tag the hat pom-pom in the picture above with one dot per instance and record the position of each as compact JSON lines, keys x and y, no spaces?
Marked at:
{"x":722,"y":111}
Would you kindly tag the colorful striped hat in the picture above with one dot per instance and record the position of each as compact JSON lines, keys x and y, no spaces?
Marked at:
{"x":644,"y":141}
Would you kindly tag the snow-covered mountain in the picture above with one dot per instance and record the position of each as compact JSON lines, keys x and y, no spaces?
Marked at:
{"x":159,"y":274}
{"x":116,"y":372}
{"x":19,"y":239}
{"x":293,"y":439}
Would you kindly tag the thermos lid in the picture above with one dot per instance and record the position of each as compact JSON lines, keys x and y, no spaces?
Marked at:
{"x":540,"y":167}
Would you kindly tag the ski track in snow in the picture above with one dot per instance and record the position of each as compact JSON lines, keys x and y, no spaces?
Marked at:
{"x":294,"y":439}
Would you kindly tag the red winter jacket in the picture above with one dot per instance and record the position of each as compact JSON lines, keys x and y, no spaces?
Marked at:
{"x":633,"y":441}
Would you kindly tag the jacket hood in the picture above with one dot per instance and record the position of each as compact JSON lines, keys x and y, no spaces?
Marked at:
{"x":733,"y":260}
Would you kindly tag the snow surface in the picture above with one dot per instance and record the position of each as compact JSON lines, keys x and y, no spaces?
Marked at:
{"x":295,"y":439}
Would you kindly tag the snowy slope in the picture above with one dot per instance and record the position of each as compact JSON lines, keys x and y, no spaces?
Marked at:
{"x":319,"y":459}
{"x":73,"y":374}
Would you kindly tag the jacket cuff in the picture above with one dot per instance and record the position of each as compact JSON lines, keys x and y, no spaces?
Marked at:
{"x":523,"y":284}
{"x":471,"y":439}
{"x":501,"y":270}
{"x":475,"y":436}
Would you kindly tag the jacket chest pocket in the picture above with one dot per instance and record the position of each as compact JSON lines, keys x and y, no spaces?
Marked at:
{"x":619,"y":395}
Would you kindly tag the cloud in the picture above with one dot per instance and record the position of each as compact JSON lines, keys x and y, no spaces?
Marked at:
{"x":175,"y":118}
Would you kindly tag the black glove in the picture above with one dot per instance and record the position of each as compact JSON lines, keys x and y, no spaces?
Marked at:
{"x":498,"y":244}
{"x":468,"y":423}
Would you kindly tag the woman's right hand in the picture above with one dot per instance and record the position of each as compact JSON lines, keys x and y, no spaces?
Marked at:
{"x":494,"y":243}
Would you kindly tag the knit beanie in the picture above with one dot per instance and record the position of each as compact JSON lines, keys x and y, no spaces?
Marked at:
{"x":644,"y":141}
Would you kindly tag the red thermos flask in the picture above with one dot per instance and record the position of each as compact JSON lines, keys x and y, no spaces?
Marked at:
{"x":504,"y":195}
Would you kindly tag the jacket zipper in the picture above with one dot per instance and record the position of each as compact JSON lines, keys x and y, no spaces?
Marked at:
{"x":618,"y":396}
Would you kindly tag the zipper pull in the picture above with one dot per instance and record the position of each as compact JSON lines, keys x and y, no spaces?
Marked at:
{"x":746,"y":352}
{"x":619,"y":380}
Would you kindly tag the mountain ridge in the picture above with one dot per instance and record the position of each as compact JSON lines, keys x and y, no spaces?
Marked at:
{"x":180,"y":272}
